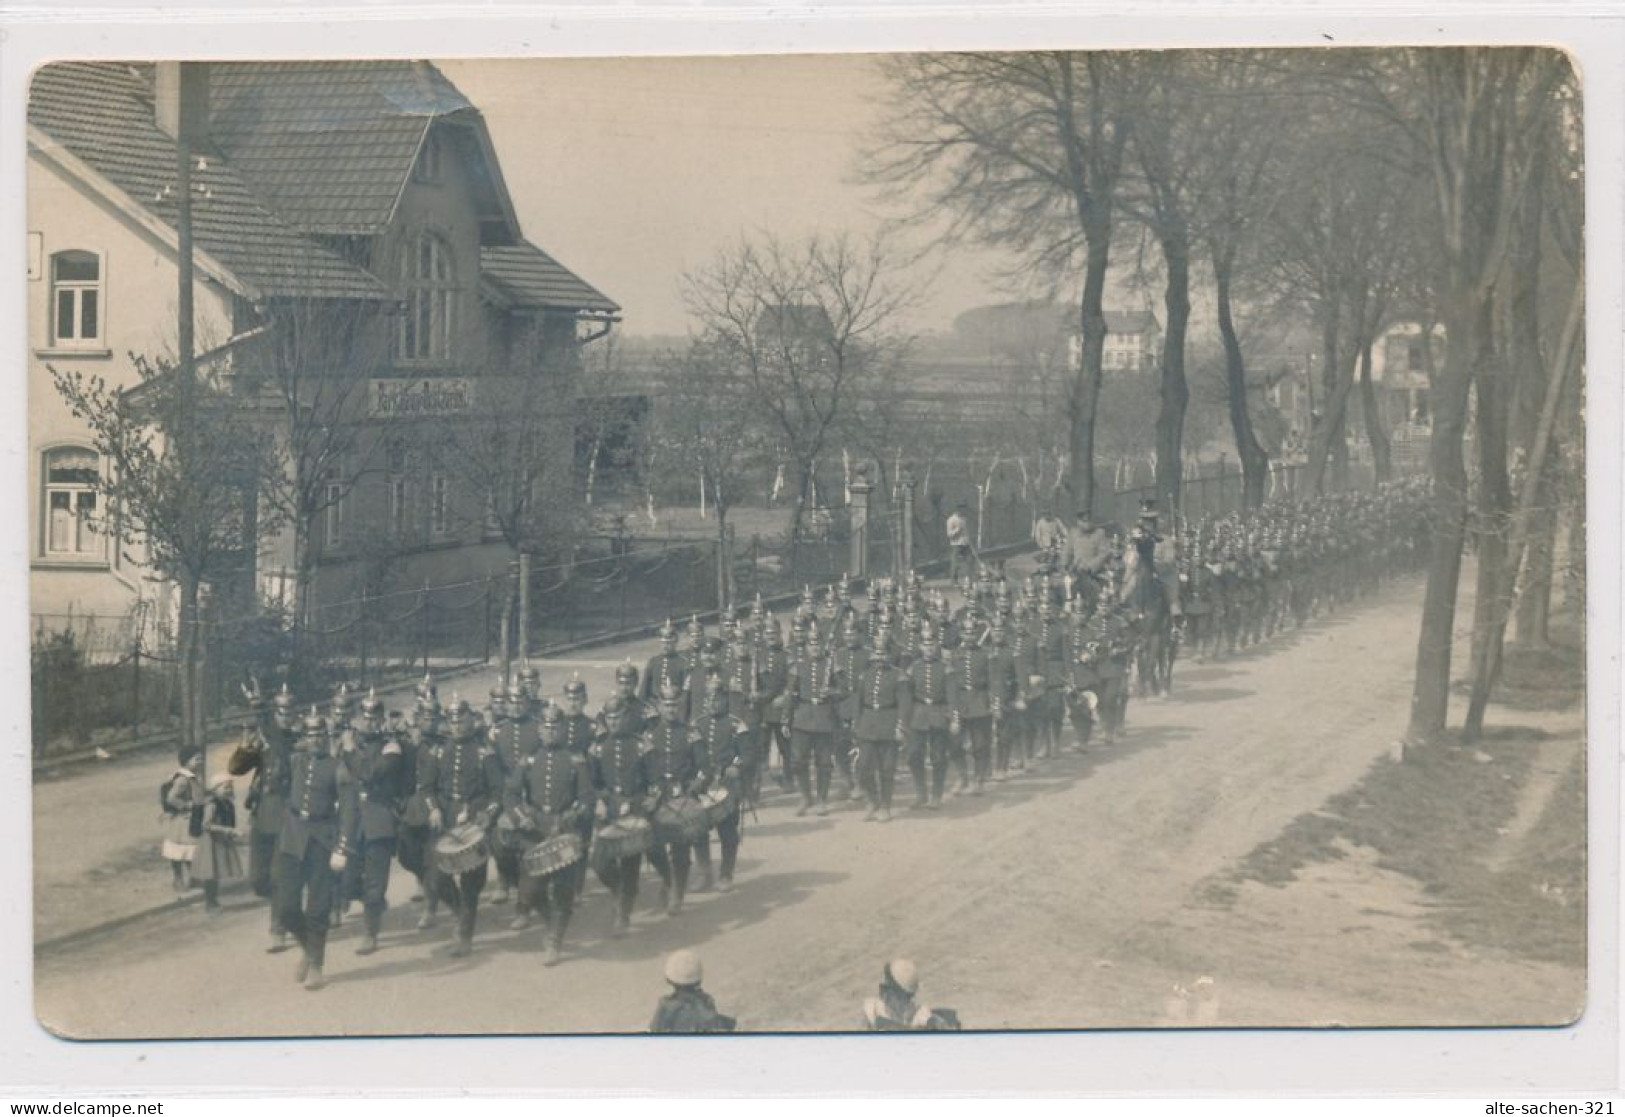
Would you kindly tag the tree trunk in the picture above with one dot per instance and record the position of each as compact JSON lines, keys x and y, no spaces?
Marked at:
{"x":190,"y":684}
{"x":1448,"y":395}
{"x":724,"y":557}
{"x":1175,"y":392}
{"x":1492,"y":634}
{"x":1329,"y":447}
{"x":1494,"y":510}
{"x":1535,"y":598}
{"x":1255,"y":461}
{"x":1083,"y":398}
{"x":1381,"y":453}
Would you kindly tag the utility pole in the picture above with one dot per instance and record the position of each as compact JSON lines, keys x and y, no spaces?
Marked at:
{"x":191,"y":667}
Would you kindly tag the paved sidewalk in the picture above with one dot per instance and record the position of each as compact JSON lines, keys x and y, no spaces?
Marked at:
{"x":96,"y":826}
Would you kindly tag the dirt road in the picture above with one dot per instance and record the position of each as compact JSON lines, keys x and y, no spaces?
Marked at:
{"x":1065,"y":898}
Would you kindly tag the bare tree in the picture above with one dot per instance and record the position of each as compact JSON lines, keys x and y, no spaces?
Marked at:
{"x":806,"y":326}
{"x":182,"y":463}
{"x":312,"y":369}
{"x":1023,"y":152}
{"x":707,"y":425}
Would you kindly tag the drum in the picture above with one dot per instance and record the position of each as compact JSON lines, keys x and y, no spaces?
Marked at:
{"x":462,"y":850}
{"x":627,"y":837}
{"x":682,"y":821}
{"x":556,"y":853}
{"x":720,"y":803}
{"x":510,"y":830}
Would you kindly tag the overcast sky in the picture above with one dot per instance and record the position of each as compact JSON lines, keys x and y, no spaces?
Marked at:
{"x":632,"y":170}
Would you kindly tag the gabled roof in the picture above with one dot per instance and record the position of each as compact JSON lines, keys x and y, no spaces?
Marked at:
{"x":1130,"y":321}
{"x":528,"y":278}
{"x":101,"y":114}
{"x":332,"y":144}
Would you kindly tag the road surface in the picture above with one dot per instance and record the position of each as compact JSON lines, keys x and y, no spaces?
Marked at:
{"x":1065,"y":898}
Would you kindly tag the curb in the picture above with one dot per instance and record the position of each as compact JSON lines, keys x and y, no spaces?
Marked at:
{"x":193,"y":898}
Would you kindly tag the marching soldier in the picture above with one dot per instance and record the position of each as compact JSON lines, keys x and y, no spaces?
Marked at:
{"x":719,"y":740}
{"x":556,"y":789}
{"x":665,"y":669}
{"x":774,"y":672}
{"x":620,"y":786}
{"x":884,"y":713}
{"x":671,"y":772}
{"x":1046,"y":705}
{"x":424,"y":738}
{"x":849,"y":662}
{"x":267,"y":755}
{"x":516,"y":736}
{"x":463,"y":784}
{"x":579,"y":732}
{"x":376,"y":767}
{"x":1002,"y":691}
{"x":928,"y":724}
{"x":742,"y":686}
{"x":312,"y":848}
{"x":811,"y":700}
{"x":970,"y":687}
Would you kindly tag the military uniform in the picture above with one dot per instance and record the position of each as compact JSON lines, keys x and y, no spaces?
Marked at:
{"x":849,"y":664}
{"x":670,"y":771}
{"x":775,"y":675}
{"x":812,"y":696}
{"x":884,"y":711}
{"x":1002,"y":691}
{"x":1047,"y":703}
{"x":928,"y":730}
{"x":377,"y":767}
{"x":267,"y":757}
{"x":970,"y":675}
{"x":719,"y":744}
{"x":516,"y":737}
{"x":739,"y":674}
{"x":413,"y":835}
{"x":556,"y":786}
{"x":314,"y":828}
{"x":463,"y":783}
{"x":620,"y":784}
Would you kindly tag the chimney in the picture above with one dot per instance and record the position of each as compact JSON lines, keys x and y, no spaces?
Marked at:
{"x":180,"y":98}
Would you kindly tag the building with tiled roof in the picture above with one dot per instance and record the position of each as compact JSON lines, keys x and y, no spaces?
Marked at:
{"x":364,"y":195}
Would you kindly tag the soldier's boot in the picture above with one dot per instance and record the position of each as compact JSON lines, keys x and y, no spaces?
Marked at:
{"x":823,"y":792}
{"x":315,"y":982}
{"x":886,"y":781}
{"x":501,"y":894}
{"x":707,"y":879}
{"x":279,"y":942}
{"x":922,"y":790}
{"x":521,"y":918}
{"x":463,"y":947}
{"x":431,"y":908}
{"x":939,"y":779}
{"x":373,"y":916}
{"x":804,"y":784}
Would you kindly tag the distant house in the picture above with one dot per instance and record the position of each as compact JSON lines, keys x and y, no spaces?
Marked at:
{"x":1400,"y":361}
{"x":368,"y":191}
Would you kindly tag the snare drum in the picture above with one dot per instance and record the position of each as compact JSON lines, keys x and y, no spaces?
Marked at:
{"x":546,"y":858}
{"x":628,"y":837}
{"x":720,"y":803}
{"x":681,"y":822}
{"x":462,"y":850}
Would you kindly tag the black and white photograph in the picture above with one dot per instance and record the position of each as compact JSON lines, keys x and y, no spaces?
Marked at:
{"x":869,"y":542}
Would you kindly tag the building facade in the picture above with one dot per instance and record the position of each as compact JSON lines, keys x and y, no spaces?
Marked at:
{"x":359,"y":269}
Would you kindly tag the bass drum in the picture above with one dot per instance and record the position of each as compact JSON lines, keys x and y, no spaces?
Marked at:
{"x":462,"y":850}
{"x":683,"y":821}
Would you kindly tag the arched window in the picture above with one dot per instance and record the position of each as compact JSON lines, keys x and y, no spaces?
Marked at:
{"x":71,"y":502}
{"x":429,"y":280}
{"x":76,"y":298}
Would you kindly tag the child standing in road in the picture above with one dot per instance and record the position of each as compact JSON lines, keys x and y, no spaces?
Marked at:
{"x":217,"y":858}
{"x":180,"y":798}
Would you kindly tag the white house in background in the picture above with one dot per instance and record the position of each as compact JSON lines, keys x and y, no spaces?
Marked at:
{"x":1399,"y":367}
{"x":365,"y":185}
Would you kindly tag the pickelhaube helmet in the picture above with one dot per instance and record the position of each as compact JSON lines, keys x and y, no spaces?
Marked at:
{"x":314,"y":725}
{"x":668,"y":631}
{"x":530,"y":678}
{"x":552,"y":716}
{"x":670,"y":692}
{"x":283,"y":702}
{"x":617,"y":707}
{"x":426,"y":689}
{"x":575,"y":687}
{"x":372,"y":706}
{"x":343,"y":699}
{"x":627,"y":672}
{"x":696,"y":627}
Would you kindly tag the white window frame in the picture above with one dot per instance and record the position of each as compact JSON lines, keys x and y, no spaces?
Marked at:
{"x":400,"y":508}
{"x":78,"y":290}
{"x":424,"y":333}
{"x":86,"y":544}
